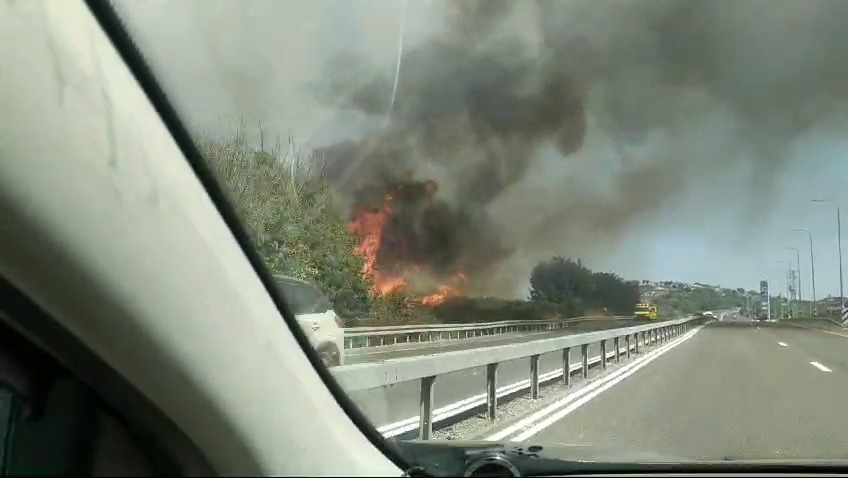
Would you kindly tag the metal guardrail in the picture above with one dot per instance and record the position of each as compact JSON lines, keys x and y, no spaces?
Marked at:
{"x":356,"y":337}
{"x":427,"y":368}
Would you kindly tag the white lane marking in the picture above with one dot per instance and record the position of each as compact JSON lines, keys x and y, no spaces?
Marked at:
{"x":408,"y":424}
{"x":782,"y":344}
{"x":553,"y":413}
{"x":393,"y":429}
{"x":820,"y":367}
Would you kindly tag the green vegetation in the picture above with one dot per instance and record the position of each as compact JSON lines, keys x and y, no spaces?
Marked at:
{"x":292,"y":217}
{"x":576,"y":290}
{"x":679,"y":302}
{"x":299,"y":227}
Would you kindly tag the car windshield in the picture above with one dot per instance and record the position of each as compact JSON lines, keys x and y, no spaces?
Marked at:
{"x":519,"y":211}
{"x":302,"y":298}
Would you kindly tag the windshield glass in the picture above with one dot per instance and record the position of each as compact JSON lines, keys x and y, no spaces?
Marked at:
{"x":559,"y":190}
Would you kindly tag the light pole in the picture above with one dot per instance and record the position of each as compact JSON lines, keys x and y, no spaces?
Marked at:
{"x":815,"y":304}
{"x":839,"y":246}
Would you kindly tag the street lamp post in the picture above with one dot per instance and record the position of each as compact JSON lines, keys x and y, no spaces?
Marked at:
{"x":813,"y":312}
{"x":839,"y":246}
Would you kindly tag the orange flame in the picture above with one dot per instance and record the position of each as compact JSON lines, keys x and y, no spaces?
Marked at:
{"x":457,"y":287}
{"x":368,"y":226}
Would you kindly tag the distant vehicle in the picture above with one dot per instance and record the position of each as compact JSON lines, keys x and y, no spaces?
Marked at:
{"x":646,"y":311}
{"x":316,"y":317}
{"x":709,"y":314}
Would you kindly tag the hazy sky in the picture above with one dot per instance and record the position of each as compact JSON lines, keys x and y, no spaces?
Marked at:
{"x":678,"y":177}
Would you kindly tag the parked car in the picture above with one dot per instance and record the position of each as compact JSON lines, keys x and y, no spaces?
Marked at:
{"x":316,"y":316}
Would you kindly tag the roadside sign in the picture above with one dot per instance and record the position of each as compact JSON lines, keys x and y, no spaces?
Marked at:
{"x":765,"y":303}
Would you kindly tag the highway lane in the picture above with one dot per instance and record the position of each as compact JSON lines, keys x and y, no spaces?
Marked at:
{"x":732,"y":390}
{"x":388,"y":352}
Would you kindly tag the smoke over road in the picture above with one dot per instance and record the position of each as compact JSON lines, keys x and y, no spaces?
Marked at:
{"x":550,"y":125}
{"x":520,"y":129}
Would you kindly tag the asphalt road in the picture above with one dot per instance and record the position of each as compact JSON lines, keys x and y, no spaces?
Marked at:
{"x":733,"y":390}
{"x":388,"y":352}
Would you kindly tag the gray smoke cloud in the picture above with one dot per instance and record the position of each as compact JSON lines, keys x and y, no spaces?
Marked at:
{"x":554,"y":125}
{"x":546,"y":127}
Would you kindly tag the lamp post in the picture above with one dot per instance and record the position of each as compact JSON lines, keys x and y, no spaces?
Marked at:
{"x":814,"y":303}
{"x":839,"y":246}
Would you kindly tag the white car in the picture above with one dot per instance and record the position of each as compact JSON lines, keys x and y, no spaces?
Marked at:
{"x":316,"y":316}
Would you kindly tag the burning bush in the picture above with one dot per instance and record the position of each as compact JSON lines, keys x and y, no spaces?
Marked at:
{"x":410,"y":241}
{"x":293,"y":217}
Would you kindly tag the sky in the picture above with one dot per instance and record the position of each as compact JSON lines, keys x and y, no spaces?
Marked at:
{"x":689,"y":178}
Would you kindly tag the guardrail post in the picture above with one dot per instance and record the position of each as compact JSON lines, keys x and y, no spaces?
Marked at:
{"x":603,"y":354}
{"x":617,"y":350}
{"x":566,"y":366}
{"x":627,"y":344}
{"x":534,"y":376}
{"x":492,"y":389}
{"x":636,"y":340}
{"x":425,"y":417}
{"x":584,"y":359}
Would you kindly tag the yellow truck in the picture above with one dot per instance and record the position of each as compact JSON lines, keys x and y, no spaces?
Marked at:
{"x":645,"y":311}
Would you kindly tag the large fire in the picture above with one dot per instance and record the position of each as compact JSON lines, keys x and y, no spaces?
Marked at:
{"x":392,"y":259}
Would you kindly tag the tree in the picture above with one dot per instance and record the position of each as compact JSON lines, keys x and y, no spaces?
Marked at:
{"x":292,"y":217}
{"x":560,"y":281}
{"x":575,"y":288}
{"x":613,"y":293}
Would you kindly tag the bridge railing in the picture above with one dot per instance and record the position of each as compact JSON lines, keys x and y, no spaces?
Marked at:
{"x":356,"y":337}
{"x":427,"y":368}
